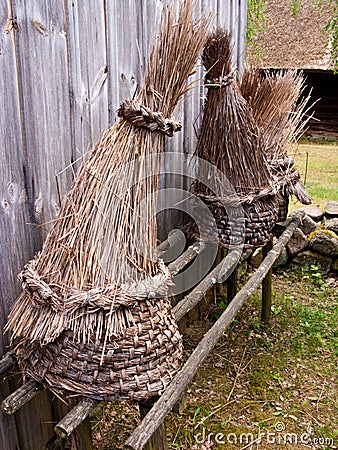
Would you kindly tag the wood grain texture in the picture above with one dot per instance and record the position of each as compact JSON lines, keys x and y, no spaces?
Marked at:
{"x":88,"y":73}
{"x":41,"y":45}
{"x":122,"y":53}
{"x":15,"y":243}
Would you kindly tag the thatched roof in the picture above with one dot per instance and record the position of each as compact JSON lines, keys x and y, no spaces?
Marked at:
{"x":293,"y":41}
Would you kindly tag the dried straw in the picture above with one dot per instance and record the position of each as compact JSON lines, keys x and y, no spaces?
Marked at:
{"x":97,"y":265}
{"x":281,"y":111}
{"x":231,"y":140}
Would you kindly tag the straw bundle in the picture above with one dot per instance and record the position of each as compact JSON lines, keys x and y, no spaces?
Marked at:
{"x":281,"y":117}
{"x":94,"y":316}
{"x":230,"y":139}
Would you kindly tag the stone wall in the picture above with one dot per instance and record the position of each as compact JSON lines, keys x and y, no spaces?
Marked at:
{"x":314,"y":243}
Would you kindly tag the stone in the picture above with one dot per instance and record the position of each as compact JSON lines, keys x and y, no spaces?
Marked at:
{"x":307,"y":259}
{"x":297,"y":243}
{"x":314,"y":212}
{"x":331,"y":209}
{"x":324,"y":242}
{"x":257,"y":257}
{"x":332,"y":224}
{"x":335,"y":265}
{"x":308,"y":225}
{"x":282,"y":259}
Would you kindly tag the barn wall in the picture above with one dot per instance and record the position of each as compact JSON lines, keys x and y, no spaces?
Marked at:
{"x":65,"y":67}
{"x":324,"y":92}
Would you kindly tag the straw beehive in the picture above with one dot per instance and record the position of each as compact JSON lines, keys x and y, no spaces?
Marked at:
{"x":230,"y":139}
{"x":94,"y":318}
{"x":281,"y":115}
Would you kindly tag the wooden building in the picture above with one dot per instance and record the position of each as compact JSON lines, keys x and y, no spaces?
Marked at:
{"x":297,"y":38}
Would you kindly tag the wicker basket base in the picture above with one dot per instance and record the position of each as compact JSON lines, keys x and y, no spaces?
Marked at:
{"x":135,"y":366}
{"x":283,"y":206}
{"x":256,"y":225}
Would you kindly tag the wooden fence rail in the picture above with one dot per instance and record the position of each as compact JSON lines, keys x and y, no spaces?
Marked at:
{"x":172,"y":394}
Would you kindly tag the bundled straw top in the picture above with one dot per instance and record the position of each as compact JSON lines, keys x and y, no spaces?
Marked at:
{"x":281,"y":111}
{"x":231,"y":140}
{"x":94,"y":316}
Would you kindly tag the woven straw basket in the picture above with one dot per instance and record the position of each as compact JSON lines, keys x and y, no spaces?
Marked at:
{"x":137,"y":365}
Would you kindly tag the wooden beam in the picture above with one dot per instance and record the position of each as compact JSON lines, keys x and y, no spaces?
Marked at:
{"x":7,"y":362}
{"x":158,"y":440}
{"x":21,"y":396}
{"x":171,"y":395}
{"x":75,"y":417}
{"x":217,"y":275}
{"x":183,"y":260}
{"x":174,"y":238}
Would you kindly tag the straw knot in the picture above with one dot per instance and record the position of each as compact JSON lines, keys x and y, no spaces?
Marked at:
{"x":109,"y":297}
{"x":142,"y":116}
{"x":220,"y":82}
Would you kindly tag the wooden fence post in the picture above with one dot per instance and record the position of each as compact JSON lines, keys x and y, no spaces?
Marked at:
{"x":232,"y":285}
{"x":267,"y":288}
{"x":158,"y":440}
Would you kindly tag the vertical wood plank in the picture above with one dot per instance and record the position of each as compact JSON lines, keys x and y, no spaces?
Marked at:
{"x":241,"y":55}
{"x":14,"y":236}
{"x":122,"y":53}
{"x":27,"y":428}
{"x":45,"y":109}
{"x":88,"y":72}
{"x":267,"y":288}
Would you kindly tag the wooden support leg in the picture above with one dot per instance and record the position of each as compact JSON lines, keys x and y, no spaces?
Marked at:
{"x":77,"y":424}
{"x":158,"y":440}
{"x":82,"y":436}
{"x":267,"y":289}
{"x":232,"y":285}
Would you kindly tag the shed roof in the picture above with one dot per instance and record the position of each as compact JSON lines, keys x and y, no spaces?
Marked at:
{"x":294,"y":41}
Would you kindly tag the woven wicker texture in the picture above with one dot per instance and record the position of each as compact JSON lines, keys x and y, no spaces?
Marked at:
{"x":136,"y":366}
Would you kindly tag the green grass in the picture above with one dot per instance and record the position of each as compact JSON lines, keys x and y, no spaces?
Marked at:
{"x":321,"y":174}
{"x":258,"y":377}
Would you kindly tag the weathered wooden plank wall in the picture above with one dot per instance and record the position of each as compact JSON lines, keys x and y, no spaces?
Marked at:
{"x":65,"y":66}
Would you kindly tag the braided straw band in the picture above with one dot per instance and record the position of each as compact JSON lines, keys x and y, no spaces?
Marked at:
{"x":220,"y":82}
{"x":86,"y":313}
{"x":141,"y":116}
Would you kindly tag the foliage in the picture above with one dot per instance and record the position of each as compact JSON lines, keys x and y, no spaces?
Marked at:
{"x":256,"y":22}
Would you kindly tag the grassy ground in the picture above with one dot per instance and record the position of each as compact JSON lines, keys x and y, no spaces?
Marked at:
{"x":317,"y":161}
{"x":271,"y":384}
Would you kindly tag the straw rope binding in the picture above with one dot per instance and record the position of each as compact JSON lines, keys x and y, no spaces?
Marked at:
{"x":141,"y":116}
